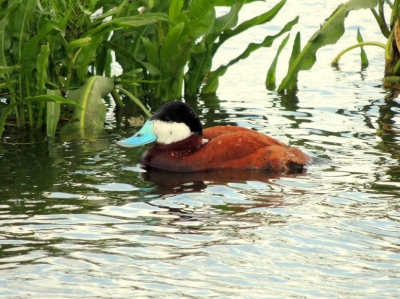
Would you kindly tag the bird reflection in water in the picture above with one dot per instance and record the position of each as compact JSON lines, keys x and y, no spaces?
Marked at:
{"x":174,"y":183}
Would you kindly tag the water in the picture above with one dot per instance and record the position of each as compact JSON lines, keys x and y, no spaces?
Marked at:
{"x":81,"y":220}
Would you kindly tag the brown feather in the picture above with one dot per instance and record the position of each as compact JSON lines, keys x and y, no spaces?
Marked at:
{"x":226,"y":147}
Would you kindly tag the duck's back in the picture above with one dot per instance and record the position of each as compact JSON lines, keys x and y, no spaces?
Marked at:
{"x":241,"y":148}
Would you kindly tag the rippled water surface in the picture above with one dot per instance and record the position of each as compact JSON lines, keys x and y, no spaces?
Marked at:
{"x":82,"y":220}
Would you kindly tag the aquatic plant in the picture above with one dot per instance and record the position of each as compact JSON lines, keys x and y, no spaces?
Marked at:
{"x":176,"y":56}
{"x":329,"y":33}
{"x":165,"y":48}
{"x":48,"y":48}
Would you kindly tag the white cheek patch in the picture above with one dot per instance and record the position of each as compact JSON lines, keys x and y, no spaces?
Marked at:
{"x":169,"y":132}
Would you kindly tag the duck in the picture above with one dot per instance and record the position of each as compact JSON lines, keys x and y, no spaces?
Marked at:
{"x":182,"y":145}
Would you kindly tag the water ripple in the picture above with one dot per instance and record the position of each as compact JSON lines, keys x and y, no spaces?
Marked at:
{"x":83,"y":220}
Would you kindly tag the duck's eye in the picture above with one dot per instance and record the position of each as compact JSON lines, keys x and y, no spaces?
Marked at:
{"x":167,"y":118}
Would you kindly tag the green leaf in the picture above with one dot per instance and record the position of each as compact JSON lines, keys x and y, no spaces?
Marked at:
{"x":151,"y":68}
{"x":151,"y":51}
{"x":212,"y":83}
{"x":258,"y":20}
{"x":46,"y":98}
{"x":364,"y":58}
{"x":229,"y":20}
{"x":127,"y":22}
{"x":42,"y":65}
{"x":89,"y":122}
{"x":175,"y":9}
{"x":81,"y":42}
{"x":330,"y":32}
{"x":200,"y":65}
{"x":201,"y":60}
{"x":296,"y":48}
{"x":230,"y":2}
{"x":174,"y":55}
{"x":41,"y":79}
{"x":169,"y":49}
{"x":112,"y":12}
{"x":271,"y":74}
{"x":197,"y":12}
{"x":85,"y":56}
{"x":218,"y":26}
{"x":52,"y":114}
{"x":20,"y":20}
{"x":51,"y":98}
{"x":4,"y":41}
{"x":30,"y":48}
{"x":6,"y":69}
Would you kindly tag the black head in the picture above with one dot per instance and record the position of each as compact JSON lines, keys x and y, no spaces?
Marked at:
{"x":179,"y":112}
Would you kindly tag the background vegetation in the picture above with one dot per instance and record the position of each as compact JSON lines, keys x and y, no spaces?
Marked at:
{"x":165,"y":49}
{"x":55,"y":57}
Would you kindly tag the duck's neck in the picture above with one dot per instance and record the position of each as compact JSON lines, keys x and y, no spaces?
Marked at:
{"x":191,"y":143}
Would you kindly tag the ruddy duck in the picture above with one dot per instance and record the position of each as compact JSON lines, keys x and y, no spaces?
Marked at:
{"x":181,"y":145}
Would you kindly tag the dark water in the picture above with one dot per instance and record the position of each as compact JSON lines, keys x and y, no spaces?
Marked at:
{"x":82,"y":220}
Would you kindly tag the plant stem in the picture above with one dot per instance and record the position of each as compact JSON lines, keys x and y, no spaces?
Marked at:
{"x":70,"y":66}
{"x":378,"y":44}
{"x":30,"y":115}
{"x":17,"y":115}
{"x":117,"y":98}
{"x":39,"y":116}
{"x":380,"y":19}
{"x":395,"y":11}
{"x":135,"y":99}
{"x":30,"y":108}
{"x":389,"y":48}
{"x":392,"y":79}
{"x":55,"y":86}
{"x":22,"y":115}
